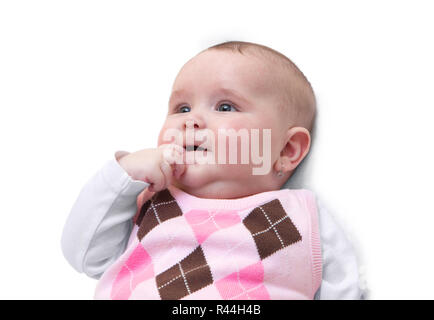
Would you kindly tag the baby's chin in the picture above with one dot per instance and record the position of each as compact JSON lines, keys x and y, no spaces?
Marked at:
{"x":212,"y":180}
{"x":196,"y":175}
{"x":212,"y":183}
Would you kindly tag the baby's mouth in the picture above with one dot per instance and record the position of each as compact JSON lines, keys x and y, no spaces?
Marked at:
{"x":194,"y":148}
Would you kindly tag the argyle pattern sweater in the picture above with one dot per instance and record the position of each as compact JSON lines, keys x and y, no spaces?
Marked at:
{"x":264,"y":246}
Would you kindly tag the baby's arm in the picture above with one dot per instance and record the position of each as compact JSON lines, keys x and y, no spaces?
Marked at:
{"x":340,"y":278}
{"x":100,"y":222}
{"x":98,"y":227}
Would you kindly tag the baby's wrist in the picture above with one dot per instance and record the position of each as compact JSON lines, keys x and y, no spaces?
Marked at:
{"x":123,"y":162}
{"x":120,"y":154}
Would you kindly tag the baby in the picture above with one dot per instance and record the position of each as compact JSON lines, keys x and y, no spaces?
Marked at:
{"x":180,"y":222}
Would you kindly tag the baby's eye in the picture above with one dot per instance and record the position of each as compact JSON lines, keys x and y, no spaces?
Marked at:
{"x":184,"y":109}
{"x":226,"y":107}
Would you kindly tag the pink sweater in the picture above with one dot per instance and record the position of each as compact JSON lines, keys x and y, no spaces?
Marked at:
{"x":264,"y":246}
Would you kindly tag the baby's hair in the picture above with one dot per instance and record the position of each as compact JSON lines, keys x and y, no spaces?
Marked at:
{"x":299,"y":94}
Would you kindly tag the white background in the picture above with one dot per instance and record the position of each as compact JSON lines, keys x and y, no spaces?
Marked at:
{"x":80,"y":80}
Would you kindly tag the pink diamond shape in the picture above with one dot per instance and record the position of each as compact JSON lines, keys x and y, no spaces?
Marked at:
{"x":136,"y":269}
{"x":206,"y":222}
{"x":245,"y":284}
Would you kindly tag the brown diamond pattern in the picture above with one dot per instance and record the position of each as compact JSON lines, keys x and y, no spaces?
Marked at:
{"x":271,"y":228}
{"x":161,"y":207}
{"x":184,"y":278}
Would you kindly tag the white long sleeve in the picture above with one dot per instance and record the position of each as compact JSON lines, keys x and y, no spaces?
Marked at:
{"x":340,"y":277}
{"x":98,"y":227}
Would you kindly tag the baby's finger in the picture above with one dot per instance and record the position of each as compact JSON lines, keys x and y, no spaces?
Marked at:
{"x":178,"y":148}
{"x":173,"y":154}
{"x":176,"y":160}
{"x":156,"y":181}
{"x":166,"y":170}
{"x":179,"y":170}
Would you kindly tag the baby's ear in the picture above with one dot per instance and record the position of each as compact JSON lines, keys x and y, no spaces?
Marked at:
{"x":296,"y":148}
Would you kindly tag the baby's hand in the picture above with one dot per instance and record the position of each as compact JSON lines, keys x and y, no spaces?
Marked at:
{"x":156,"y":166}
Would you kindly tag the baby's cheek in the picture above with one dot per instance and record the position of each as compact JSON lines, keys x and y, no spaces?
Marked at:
{"x":170,"y":133}
{"x":161,"y":140}
{"x":237,"y":124}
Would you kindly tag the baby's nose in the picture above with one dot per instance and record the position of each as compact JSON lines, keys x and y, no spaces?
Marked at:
{"x":193,"y":124}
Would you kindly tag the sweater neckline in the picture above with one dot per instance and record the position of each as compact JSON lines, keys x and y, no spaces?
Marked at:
{"x":192,"y":201}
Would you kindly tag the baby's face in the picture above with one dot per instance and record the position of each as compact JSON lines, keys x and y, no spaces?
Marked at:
{"x":219,"y":90}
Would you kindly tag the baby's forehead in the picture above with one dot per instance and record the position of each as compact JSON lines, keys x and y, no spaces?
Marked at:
{"x":232,"y":69}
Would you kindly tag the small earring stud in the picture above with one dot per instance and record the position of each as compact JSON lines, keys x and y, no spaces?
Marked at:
{"x":280,"y":173}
